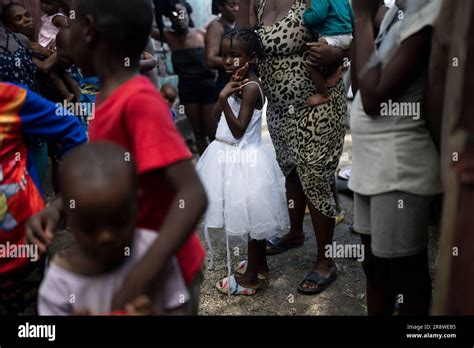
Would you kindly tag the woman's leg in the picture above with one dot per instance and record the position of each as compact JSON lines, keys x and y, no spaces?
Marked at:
{"x":380,"y":295}
{"x":296,"y":201}
{"x":195,"y":117}
{"x":395,"y":230}
{"x":209,"y":125}
{"x":324,"y":230}
{"x":412,"y":283}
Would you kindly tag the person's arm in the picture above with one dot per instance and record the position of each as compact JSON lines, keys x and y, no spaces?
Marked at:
{"x":148,"y":63}
{"x":317,"y":13}
{"x":37,"y":48}
{"x":60,"y":21}
{"x":379,"y":18}
{"x":42,"y":118}
{"x":213,"y":45}
{"x":155,"y":34}
{"x":250,"y":95}
{"x":49,"y":63}
{"x":246,"y":18}
{"x":161,"y":156}
{"x":216,"y":116}
{"x":40,"y":228}
{"x":321,"y":54}
{"x":377,"y":86}
{"x":179,"y":224}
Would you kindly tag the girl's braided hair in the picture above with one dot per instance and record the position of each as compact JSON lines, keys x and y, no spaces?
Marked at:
{"x":249,"y":38}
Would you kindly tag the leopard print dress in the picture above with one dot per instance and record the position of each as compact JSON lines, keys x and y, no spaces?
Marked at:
{"x":308,"y":139}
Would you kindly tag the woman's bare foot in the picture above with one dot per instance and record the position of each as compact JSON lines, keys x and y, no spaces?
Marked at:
{"x":318,"y":99}
{"x":289,"y":241}
{"x":248,"y":281}
{"x":325,"y":268}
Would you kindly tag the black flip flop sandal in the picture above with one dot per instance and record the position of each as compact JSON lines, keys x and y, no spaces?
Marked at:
{"x":279,"y":246}
{"x":316,"y":278}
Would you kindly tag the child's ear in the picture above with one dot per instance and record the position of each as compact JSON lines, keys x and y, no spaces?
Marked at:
{"x":253,"y":59}
{"x":89,"y":29}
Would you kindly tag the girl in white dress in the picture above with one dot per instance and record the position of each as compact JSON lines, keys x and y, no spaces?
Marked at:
{"x":244,"y":183}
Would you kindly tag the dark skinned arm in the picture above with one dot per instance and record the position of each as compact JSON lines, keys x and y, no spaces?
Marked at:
{"x":376,"y":86}
{"x":321,"y":54}
{"x":40,"y":228}
{"x":155,"y":34}
{"x":377,"y":22}
{"x":60,"y":22}
{"x":177,"y":227}
{"x":37,"y":48}
{"x":250,"y":95}
{"x":147,"y":63}
{"x":216,"y":116}
{"x":213,"y":45}
{"x":246,"y":18}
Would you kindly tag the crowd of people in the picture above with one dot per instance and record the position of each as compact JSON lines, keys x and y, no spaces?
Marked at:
{"x":136,"y":250}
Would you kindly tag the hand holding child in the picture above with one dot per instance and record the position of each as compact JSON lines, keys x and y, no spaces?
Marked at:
{"x":40,"y":228}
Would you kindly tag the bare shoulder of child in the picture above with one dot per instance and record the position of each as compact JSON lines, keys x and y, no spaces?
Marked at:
{"x":253,"y":88}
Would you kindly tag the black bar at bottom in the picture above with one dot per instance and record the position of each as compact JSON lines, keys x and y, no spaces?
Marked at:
{"x":214,"y":330}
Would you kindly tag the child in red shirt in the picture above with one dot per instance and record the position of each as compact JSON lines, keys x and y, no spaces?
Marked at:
{"x":131,"y":113}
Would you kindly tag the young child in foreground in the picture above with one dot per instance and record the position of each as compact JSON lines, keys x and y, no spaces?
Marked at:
{"x":245,"y":186}
{"x":332,"y":22}
{"x":101,"y":187}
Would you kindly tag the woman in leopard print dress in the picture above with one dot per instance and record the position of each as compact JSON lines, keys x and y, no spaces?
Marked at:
{"x":308,"y":140}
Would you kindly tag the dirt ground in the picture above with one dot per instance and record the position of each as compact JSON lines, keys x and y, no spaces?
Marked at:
{"x":278,"y":294}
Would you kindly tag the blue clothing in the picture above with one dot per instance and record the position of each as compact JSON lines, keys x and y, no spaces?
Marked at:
{"x":42,"y":119}
{"x":330,"y":17}
{"x":90,"y":87}
{"x":17,"y":67}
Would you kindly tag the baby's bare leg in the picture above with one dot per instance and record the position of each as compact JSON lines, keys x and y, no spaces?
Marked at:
{"x":59,"y":84}
{"x":322,"y":95}
{"x":73,"y":85}
{"x":334,"y":75}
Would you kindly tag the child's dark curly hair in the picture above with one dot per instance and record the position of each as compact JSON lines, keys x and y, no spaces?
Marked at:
{"x":249,"y":38}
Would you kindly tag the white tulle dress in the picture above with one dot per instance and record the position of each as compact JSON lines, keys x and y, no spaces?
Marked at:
{"x":244,"y":184}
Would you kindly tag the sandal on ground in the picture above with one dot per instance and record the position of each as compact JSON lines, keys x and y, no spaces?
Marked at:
{"x":340,"y":217}
{"x":316,"y":278}
{"x":235,"y":289}
{"x":242,"y":268}
{"x":277,"y":246}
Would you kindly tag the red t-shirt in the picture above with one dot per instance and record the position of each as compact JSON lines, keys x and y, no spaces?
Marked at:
{"x":137,"y":117}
